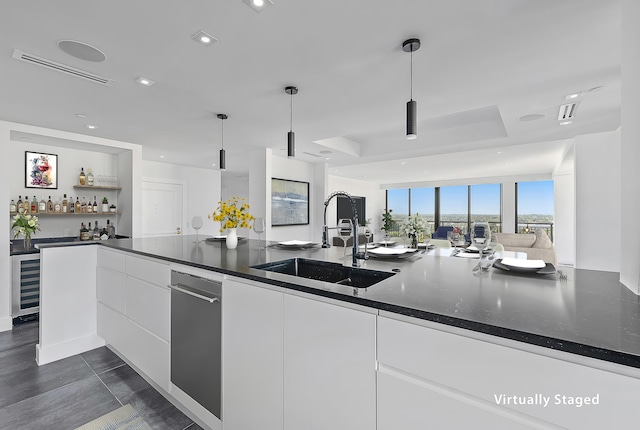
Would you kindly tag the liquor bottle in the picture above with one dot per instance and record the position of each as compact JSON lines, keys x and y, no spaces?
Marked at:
{"x":57,"y":207}
{"x":83,"y":177}
{"x":90,"y":177}
{"x":95,"y":205}
{"x":34,"y":205}
{"x":83,"y":206}
{"x":65,"y":204}
{"x":26,"y":205}
{"x":104,"y":233}
{"x":84,"y":232}
{"x":42,"y":206}
{"x":13,"y":207}
{"x":89,"y":206}
{"x":20,"y":205}
{"x":72,"y":206}
{"x":111,"y":229}
{"x":78,"y":206}
{"x":96,"y":232}
{"x":49,"y":206}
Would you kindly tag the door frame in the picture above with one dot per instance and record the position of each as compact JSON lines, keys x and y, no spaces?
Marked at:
{"x":151,"y":180}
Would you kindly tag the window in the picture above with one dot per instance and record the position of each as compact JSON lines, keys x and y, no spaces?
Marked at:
{"x":423,"y":203}
{"x":398,"y":202}
{"x":454,"y":206}
{"x":486,"y":205}
{"x":534,"y":206}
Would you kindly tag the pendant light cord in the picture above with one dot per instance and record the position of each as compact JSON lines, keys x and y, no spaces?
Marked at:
{"x":222,"y":133}
{"x":412,"y":74}
{"x":291,"y":112}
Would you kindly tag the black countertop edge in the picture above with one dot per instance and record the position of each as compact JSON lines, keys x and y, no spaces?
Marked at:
{"x":616,"y":357}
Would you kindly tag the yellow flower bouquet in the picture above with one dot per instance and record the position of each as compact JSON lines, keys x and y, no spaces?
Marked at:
{"x":232,"y":213}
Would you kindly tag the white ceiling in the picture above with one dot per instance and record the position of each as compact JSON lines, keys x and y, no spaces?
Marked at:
{"x":482,"y":65}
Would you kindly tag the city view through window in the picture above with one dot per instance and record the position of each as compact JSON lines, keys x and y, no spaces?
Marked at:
{"x":459,"y":206}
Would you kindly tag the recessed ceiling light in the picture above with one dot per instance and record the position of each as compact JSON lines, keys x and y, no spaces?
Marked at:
{"x":162,"y":156}
{"x":532,"y":117}
{"x":403,"y":162}
{"x":598,"y":88}
{"x":204,"y":38}
{"x":81,"y":115}
{"x":144,"y":81}
{"x":258,"y":5}
{"x":499,"y":152}
{"x":325,"y":151}
{"x":572,"y":96}
{"x":91,"y":127}
{"x":566,"y":122}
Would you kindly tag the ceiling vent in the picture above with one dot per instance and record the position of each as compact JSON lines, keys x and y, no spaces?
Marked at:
{"x":567,"y":111}
{"x":309,"y":153}
{"x":39,"y":61}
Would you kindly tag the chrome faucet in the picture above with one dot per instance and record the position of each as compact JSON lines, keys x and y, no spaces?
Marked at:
{"x":355,"y":255}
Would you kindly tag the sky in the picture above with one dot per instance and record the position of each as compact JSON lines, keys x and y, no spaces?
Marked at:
{"x":533,"y":198}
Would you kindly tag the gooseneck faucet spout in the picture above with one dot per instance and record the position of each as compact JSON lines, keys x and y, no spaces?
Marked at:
{"x":355,"y":255}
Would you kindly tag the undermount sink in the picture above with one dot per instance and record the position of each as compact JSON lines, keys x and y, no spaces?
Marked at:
{"x":328,"y":272}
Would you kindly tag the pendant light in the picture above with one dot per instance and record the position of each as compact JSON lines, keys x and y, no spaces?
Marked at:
{"x":223,"y":164}
{"x":291,"y":136}
{"x":411,"y":45}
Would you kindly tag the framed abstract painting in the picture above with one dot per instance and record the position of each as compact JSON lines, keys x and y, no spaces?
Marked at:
{"x":289,"y":202}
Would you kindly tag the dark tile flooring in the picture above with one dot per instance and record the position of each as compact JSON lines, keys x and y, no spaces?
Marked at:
{"x":70,"y":392}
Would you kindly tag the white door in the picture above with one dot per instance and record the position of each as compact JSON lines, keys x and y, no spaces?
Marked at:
{"x":162,"y":208}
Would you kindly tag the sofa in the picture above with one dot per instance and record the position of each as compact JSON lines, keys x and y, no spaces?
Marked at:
{"x":537,"y":246}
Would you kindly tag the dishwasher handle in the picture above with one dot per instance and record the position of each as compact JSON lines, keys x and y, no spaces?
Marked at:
{"x":177,"y":287}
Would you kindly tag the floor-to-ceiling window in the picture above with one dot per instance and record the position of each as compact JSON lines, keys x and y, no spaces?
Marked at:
{"x":422,"y":201}
{"x":534,"y":206}
{"x":398,"y":203}
{"x":486,"y":205}
{"x":454,"y":206}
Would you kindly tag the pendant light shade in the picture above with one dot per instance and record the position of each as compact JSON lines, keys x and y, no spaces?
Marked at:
{"x":223,"y":161}
{"x":411,"y":45}
{"x":291,"y":136}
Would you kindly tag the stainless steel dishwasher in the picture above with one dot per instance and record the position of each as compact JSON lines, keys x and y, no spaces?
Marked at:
{"x":196,"y":338}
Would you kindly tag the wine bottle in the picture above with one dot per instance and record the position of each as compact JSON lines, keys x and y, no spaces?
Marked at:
{"x":83,"y":177}
{"x":96,"y":232}
{"x":89,"y":177}
{"x":78,"y":205}
{"x":26,"y":205}
{"x":42,"y":206}
{"x":49,"y":206}
{"x":20,"y":205}
{"x":34,"y":205}
{"x":95,"y":205}
{"x":89,"y":206}
{"x":13,"y":207}
{"x":65,"y":204}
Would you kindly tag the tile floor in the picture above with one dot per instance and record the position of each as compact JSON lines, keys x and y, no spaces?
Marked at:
{"x":73,"y":391}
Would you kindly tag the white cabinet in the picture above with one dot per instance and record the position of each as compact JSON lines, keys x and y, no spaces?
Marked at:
{"x":252,"y":344}
{"x":291,"y":362}
{"x":134,"y":315}
{"x":427,"y":374}
{"x":329,"y":366}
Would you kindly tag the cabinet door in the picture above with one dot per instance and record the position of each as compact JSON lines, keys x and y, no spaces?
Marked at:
{"x":329,"y":366}
{"x":404,"y":404}
{"x":251,"y":357}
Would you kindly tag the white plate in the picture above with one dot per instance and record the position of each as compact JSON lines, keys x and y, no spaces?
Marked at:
{"x":295,"y":243}
{"x":383,"y":252}
{"x":463,"y":254}
{"x":527,"y":264}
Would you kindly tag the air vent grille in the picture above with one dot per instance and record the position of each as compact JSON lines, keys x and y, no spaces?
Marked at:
{"x":567,"y":111}
{"x":309,"y":153}
{"x":39,"y":61}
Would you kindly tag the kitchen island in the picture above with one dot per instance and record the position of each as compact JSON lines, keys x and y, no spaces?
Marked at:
{"x":432,"y":343}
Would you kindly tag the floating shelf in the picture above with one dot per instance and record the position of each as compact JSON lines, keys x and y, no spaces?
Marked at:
{"x":96,"y":187}
{"x":69,"y":214}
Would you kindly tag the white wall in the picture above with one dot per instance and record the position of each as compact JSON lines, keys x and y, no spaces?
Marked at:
{"x":375,"y":201}
{"x":5,"y":259}
{"x":630,"y":151}
{"x":598,"y":201}
{"x":564,"y":217}
{"x":201,"y":188}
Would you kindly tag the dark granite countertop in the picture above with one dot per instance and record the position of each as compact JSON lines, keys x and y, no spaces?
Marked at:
{"x":590,"y":314}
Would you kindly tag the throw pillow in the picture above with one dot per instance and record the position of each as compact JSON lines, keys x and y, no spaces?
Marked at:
{"x":542,"y":240}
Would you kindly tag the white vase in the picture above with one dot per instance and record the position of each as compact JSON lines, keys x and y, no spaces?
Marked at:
{"x":232,"y":239}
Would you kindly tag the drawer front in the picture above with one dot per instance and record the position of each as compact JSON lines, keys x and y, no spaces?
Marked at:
{"x":149,"y":353}
{"x":112,"y":259}
{"x":150,"y":271}
{"x":149,"y":306}
{"x":111,"y":289}
{"x":112,"y":327}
